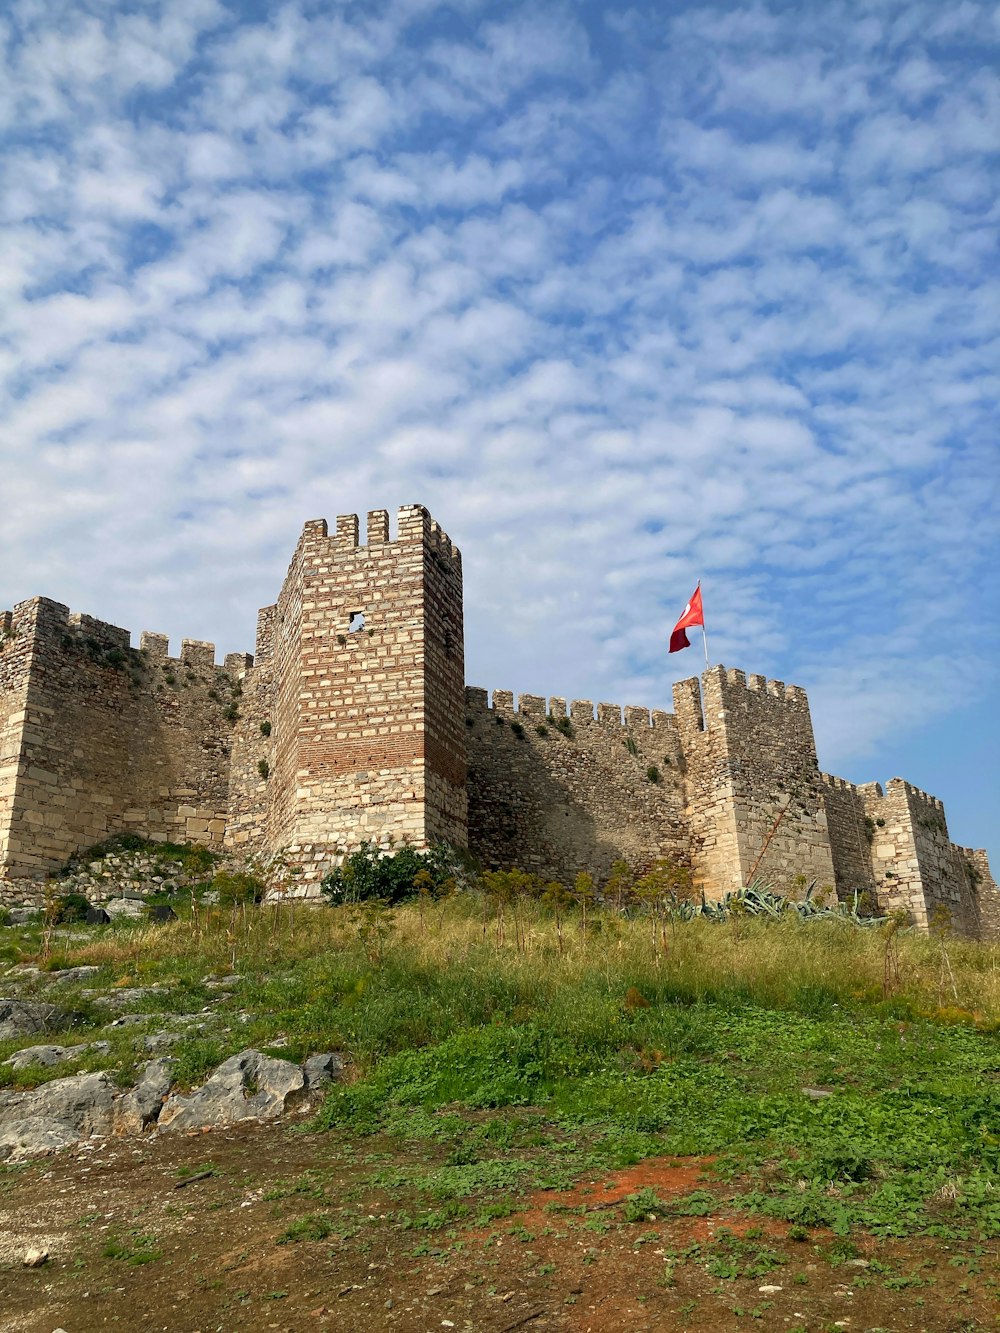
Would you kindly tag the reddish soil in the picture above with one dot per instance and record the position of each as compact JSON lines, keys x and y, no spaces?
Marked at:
{"x":564,"y":1260}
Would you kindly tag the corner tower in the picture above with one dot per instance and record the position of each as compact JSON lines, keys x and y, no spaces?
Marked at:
{"x":356,"y":702}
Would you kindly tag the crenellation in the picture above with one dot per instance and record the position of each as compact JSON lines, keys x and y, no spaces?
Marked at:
{"x":197,"y":655}
{"x":352,"y":721}
{"x":378,"y":527}
{"x":155,"y":646}
{"x":99,"y":631}
{"x":348,"y":531}
{"x":237,"y":664}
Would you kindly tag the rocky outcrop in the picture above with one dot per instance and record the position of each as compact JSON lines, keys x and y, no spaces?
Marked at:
{"x":248,"y":1086}
{"x":23,"y":1018}
{"x":59,"y":1114}
{"x":56,"y":1115}
{"x":138,"y":1110}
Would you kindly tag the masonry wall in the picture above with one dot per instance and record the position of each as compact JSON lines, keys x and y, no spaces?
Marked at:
{"x":101,"y":738}
{"x":755,"y":802}
{"x":367,"y":735}
{"x":559,"y":801}
{"x":851,"y":834}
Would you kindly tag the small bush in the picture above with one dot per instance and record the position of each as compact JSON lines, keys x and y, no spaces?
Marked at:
{"x":67,"y":908}
{"x":369,"y":873}
{"x":265,"y":728}
{"x":631,"y":746}
{"x":231,"y":712}
{"x":653,"y":774}
{"x":518,"y":730}
{"x":264,"y":768}
{"x":237,"y":887}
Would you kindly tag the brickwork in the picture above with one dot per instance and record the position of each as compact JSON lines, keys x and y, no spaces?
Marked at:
{"x":352,"y":723}
{"x":361,"y":668}
{"x":558,"y":801}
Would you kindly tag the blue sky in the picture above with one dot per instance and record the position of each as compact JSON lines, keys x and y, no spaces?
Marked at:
{"x":626,"y":294}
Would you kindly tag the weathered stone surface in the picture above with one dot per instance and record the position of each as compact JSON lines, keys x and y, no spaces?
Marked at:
{"x":46,"y":1056}
{"x":137,"y":1110}
{"x":75,"y":973}
{"x":35,"y":1258}
{"x":23,"y":1018}
{"x":248,"y":1086}
{"x":320,"y":1070}
{"x":117,"y":908}
{"x":55,"y":1115}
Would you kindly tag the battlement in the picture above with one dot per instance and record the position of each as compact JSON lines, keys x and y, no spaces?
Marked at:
{"x":414,"y":527}
{"x":839,"y":784}
{"x":730,"y":680}
{"x":196,"y":654}
{"x":915,"y":795}
{"x":631,"y":717}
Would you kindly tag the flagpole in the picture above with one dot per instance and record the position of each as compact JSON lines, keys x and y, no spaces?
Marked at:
{"x":704,"y":636}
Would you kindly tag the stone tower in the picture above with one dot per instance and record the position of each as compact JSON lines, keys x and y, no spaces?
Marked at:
{"x":352,"y":724}
{"x":754,"y":794}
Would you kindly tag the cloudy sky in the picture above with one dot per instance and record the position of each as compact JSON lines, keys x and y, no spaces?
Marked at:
{"x":626,"y":294}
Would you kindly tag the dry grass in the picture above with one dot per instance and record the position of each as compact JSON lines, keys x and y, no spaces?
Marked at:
{"x":785,"y":964}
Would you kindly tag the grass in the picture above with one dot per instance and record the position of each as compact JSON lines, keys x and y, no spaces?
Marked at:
{"x":626,"y":1048}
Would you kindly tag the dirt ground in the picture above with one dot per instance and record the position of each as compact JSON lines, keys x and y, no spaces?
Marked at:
{"x":218,"y":1232}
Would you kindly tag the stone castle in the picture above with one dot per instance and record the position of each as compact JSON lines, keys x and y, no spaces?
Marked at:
{"x":352,"y":722}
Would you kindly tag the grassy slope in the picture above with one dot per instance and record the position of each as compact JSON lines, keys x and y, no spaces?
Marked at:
{"x":630,"y":1049}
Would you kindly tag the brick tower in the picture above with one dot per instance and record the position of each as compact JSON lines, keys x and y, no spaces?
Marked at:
{"x":353,"y":719}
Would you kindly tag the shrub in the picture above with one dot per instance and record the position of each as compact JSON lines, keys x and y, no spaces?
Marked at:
{"x":517,"y":729}
{"x":265,"y":728}
{"x":237,"y":887}
{"x":264,"y":768}
{"x":653,"y":773}
{"x":66,"y":908}
{"x":370,"y":873}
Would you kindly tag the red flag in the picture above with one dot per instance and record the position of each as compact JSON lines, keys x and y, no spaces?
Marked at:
{"x":693,"y":615}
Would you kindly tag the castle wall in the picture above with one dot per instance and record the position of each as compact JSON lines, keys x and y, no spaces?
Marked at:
{"x":852,"y":832}
{"x":755,"y":803}
{"x":367,"y":737}
{"x":918,"y":868}
{"x":555,"y":803}
{"x":101,"y":738}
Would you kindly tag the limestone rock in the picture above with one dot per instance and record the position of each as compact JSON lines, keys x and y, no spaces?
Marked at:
{"x":22,"y":916}
{"x":55,"y":1115}
{"x":35,"y":1258}
{"x":137,"y":1110}
{"x":248,"y":1086}
{"x":75,"y":973}
{"x":23,"y":1018}
{"x":118,"y":908}
{"x":319,"y":1070}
